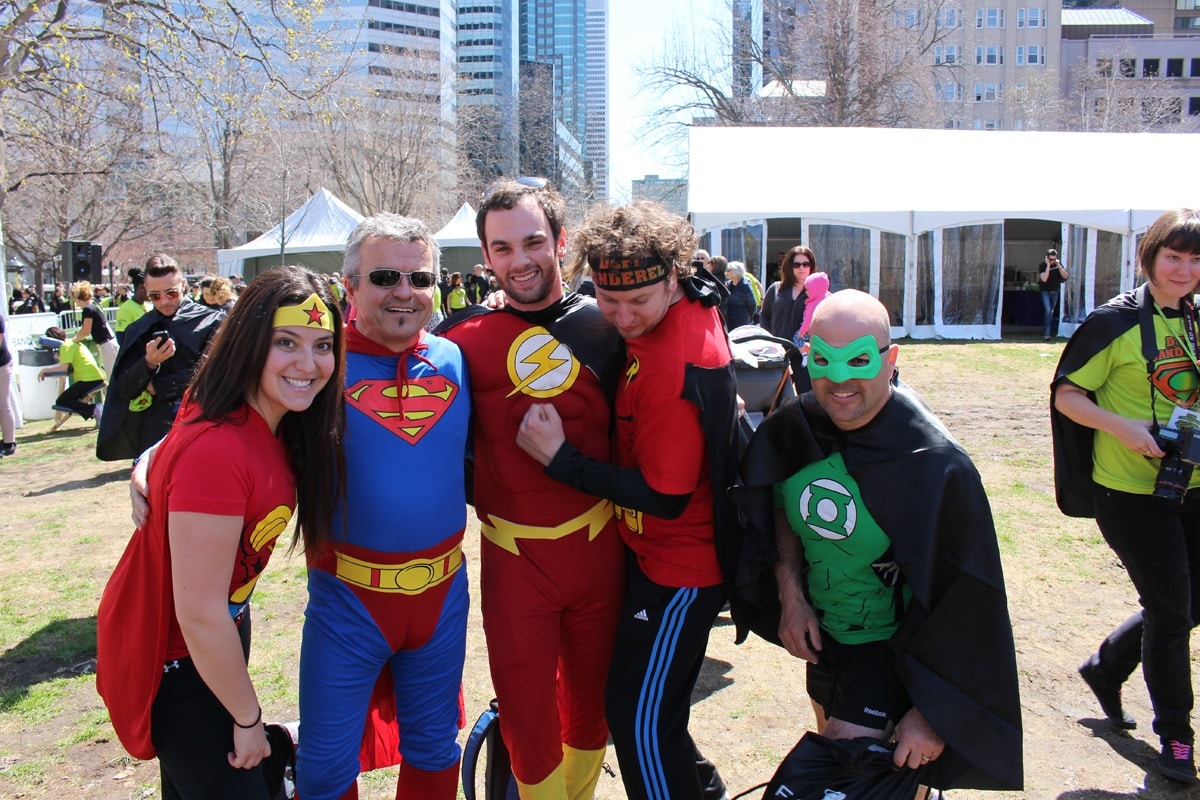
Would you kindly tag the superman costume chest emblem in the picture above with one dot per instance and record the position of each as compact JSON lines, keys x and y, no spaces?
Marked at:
{"x":426,"y":400}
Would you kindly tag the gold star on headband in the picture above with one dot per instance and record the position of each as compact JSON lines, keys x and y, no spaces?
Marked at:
{"x":312,"y":313}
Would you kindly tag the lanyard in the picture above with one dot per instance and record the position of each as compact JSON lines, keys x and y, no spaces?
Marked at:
{"x":1188,"y":319}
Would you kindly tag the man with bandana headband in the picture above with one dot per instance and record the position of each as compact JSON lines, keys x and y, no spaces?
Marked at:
{"x":676,"y":418}
{"x":888,"y":572}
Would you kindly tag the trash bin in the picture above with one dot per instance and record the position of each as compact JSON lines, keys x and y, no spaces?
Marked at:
{"x":37,"y":397}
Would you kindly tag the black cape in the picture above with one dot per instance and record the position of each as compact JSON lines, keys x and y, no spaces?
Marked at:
{"x":125,"y":434}
{"x":954,"y":646}
{"x":1073,"y":443}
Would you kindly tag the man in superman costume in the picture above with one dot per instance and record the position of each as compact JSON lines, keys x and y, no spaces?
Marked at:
{"x":388,"y":597}
{"x":888,"y":570}
{"x":552,"y":569}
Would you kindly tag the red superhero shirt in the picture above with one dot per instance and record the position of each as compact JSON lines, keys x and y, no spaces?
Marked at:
{"x":514,"y":364}
{"x":660,"y":434}
{"x":136,"y":626}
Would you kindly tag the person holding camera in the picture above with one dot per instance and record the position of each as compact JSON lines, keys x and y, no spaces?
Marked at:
{"x":159,"y":354}
{"x":1120,"y":446}
{"x":1050,"y":281}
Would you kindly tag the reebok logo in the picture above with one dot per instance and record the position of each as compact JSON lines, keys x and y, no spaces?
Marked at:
{"x":642,"y":615}
{"x":874,"y":713}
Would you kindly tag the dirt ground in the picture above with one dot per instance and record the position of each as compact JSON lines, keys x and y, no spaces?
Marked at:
{"x":65,"y":522}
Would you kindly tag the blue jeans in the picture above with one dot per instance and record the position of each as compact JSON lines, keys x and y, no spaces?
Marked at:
{"x":1049,"y":311}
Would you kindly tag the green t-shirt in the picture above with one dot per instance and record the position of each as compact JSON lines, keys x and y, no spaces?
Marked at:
{"x":128,"y":312}
{"x":1117,"y":375}
{"x":83,"y":363}
{"x":851,"y":576}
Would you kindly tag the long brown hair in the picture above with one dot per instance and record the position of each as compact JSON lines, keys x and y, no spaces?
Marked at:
{"x":786,"y":273}
{"x":231,"y":372}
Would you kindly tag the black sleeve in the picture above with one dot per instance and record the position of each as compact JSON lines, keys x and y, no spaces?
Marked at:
{"x":625,"y":486}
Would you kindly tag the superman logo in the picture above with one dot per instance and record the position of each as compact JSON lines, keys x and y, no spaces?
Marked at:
{"x":426,"y":400}
{"x":1176,"y":379}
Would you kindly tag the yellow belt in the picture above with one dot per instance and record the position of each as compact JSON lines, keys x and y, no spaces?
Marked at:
{"x":411,"y":577}
{"x":505,"y":533}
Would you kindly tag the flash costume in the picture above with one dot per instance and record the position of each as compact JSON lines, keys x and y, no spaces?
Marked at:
{"x":552,"y":563}
{"x":903,"y":475}
{"x":388,"y":601}
{"x":156,"y":700}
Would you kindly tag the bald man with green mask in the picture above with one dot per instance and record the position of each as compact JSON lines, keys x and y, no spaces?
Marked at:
{"x":888,"y":571}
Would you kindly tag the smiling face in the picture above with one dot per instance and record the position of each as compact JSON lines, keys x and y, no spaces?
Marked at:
{"x":523,"y":254}
{"x":392,"y":317}
{"x":845,"y":318}
{"x":299,"y":363}
{"x":1175,"y":275}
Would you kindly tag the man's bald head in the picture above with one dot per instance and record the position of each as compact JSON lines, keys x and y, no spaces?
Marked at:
{"x":849,"y":314}
{"x":852,"y":394}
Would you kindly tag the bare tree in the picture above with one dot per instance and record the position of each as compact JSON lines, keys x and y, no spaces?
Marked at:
{"x":1108,"y":96}
{"x":824,"y":63}
{"x":384,"y":142}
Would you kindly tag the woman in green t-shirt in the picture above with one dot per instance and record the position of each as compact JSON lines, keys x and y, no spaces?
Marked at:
{"x":76,"y":360}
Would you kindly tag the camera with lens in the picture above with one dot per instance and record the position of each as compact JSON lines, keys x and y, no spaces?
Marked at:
{"x":1182,"y":448}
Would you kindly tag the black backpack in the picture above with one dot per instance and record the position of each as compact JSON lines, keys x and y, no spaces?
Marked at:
{"x":485,"y":740}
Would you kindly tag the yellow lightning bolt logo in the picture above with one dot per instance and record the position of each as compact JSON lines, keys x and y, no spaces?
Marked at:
{"x":632,"y":370}
{"x":541,"y":366}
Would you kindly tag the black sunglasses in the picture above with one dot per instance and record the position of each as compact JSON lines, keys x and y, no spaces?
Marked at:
{"x":387,"y":278}
{"x":801,"y":263}
{"x":532,"y":183}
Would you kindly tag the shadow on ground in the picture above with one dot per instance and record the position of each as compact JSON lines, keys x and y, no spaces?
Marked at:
{"x":64,"y":648}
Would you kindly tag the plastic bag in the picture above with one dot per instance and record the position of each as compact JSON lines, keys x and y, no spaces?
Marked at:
{"x":842,"y":769}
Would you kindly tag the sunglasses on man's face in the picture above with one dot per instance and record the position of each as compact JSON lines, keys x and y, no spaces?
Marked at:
{"x":387,"y":278}
{"x":170,"y":294}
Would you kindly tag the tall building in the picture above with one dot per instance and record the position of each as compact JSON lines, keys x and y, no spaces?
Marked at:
{"x":748,"y":47}
{"x":489,"y":89}
{"x":596,"y":142}
{"x":405,"y":54}
{"x":554,"y":63}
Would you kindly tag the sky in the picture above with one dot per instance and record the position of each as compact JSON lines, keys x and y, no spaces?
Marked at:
{"x":638,"y":30}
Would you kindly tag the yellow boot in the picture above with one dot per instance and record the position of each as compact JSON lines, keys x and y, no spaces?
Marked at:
{"x":552,"y":787}
{"x":582,"y":771}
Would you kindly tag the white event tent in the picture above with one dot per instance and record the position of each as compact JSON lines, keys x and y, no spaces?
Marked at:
{"x":313,"y":236}
{"x":945,"y":227}
{"x":460,"y":242}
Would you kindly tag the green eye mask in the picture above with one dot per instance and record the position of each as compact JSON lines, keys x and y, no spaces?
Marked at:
{"x":837,"y":366}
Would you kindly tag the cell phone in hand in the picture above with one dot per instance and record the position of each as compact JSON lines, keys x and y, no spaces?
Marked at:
{"x":160,"y":337}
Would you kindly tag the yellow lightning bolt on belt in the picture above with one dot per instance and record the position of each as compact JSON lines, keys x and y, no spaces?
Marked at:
{"x":504,"y":533}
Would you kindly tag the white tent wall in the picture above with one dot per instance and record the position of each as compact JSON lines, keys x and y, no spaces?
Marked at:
{"x":948,"y":196}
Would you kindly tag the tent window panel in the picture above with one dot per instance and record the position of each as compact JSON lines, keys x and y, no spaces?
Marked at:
{"x":731,"y":244}
{"x":844,"y":252}
{"x":752,"y":248}
{"x":1108,"y":267}
{"x":925,"y":288}
{"x":891,"y":275}
{"x":971,"y":275}
{"x":1074,"y":255}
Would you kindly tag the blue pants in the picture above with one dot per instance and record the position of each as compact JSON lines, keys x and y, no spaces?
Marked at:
{"x":1049,"y":312}
{"x":1159,"y":544}
{"x":341,"y":655}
